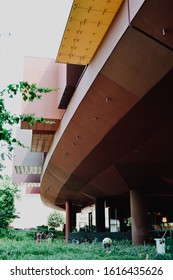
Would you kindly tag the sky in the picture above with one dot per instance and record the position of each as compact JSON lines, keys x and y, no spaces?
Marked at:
{"x":28,"y":28}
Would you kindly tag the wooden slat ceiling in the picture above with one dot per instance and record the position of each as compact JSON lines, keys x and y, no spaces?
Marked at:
{"x":41,"y":142}
{"x":42,"y":134}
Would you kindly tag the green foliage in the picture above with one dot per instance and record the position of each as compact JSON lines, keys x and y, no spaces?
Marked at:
{"x":21,"y":245}
{"x":8,"y":192}
{"x":29,"y":92}
{"x":55,"y":219}
{"x":42,"y":228}
{"x":58,"y":234}
{"x":17,"y":235}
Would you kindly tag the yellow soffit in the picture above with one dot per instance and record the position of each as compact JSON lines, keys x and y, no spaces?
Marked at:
{"x":87,"y":24}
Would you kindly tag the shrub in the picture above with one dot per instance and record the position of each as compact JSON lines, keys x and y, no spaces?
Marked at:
{"x":18,"y":245}
{"x":57,"y":233}
{"x":55,"y":219}
{"x":42,"y":228}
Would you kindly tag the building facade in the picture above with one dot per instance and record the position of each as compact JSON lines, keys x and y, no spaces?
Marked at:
{"x":111,"y":144}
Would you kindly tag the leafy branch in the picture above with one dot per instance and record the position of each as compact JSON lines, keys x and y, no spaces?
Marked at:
{"x":29,"y":92}
{"x":8,"y":193}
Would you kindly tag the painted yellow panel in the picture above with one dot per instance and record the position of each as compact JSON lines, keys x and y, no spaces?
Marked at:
{"x":98,"y":4}
{"x":87,"y":24}
{"x":93,"y":16}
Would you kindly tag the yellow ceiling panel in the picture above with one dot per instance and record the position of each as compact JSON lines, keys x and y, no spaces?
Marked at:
{"x":73,"y":27}
{"x":87,"y":24}
{"x":94,"y":16}
{"x":80,"y":60}
{"x":97,"y":4}
{"x":92,"y":35}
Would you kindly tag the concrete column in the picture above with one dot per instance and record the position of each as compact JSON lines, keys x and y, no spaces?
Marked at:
{"x":100,"y":215}
{"x":123,"y":214}
{"x":139,"y":215}
{"x":73,"y":218}
{"x":68,"y":208}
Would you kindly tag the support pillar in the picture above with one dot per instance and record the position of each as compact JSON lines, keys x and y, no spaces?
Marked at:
{"x":100,"y":215}
{"x":73,"y":217}
{"x":68,"y":208}
{"x":139,"y":216}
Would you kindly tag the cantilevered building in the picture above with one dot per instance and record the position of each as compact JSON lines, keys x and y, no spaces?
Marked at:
{"x":111,"y":144}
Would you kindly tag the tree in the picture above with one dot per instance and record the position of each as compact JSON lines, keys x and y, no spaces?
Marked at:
{"x":29,"y":92}
{"x":55,"y":219}
{"x":8,"y":193}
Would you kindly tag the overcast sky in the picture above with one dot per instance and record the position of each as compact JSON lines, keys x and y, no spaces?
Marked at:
{"x":29,"y":28}
{"x":37,"y":26}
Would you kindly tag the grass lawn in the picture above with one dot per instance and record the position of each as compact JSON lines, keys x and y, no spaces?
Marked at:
{"x":21,"y":246}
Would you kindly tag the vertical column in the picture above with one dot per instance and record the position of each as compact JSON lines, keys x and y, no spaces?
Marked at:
{"x":123,"y":214}
{"x":68,"y":206}
{"x":90,"y":221}
{"x":100,"y":215}
{"x":109,"y":218}
{"x":139,"y":215}
{"x":112,"y":216}
{"x":73,"y":218}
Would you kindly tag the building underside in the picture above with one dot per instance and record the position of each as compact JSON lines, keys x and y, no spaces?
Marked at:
{"x":114,"y":142}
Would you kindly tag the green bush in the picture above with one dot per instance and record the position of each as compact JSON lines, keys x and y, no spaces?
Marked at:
{"x":3,"y":232}
{"x":42,"y":228}
{"x":57,"y":233}
{"x":17,"y":235}
{"x":20,"y":245}
{"x":60,"y":250}
{"x":30,"y":234}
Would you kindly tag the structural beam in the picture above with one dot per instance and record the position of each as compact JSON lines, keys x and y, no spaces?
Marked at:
{"x":139,"y":215}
